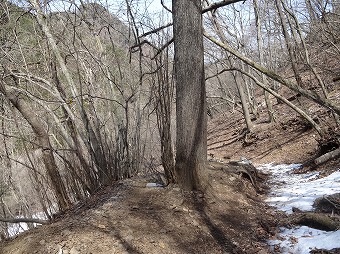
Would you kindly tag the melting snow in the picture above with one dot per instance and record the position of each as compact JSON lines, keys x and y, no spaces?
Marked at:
{"x":300,"y":190}
{"x":154,"y":185}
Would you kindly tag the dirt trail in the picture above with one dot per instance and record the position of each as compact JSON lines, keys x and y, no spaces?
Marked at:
{"x":132,"y":218}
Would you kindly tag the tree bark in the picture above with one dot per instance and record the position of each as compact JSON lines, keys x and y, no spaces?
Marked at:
{"x":191,"y":109}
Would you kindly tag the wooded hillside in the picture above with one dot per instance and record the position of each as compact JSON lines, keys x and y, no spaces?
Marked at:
{"x":88,"y":91}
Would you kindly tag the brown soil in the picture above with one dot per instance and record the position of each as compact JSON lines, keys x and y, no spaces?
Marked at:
{"x":131,"y":218}
{"x":230,"y":217}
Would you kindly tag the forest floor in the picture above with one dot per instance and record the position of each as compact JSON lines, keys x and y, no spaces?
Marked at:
{"x":231,"y":217}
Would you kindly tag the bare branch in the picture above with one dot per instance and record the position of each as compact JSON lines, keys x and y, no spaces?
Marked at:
{"x":25,"y":220}
{"x":163,"y":47}
{"x":217,"y":5}
{"x":165,"y":7}
{"x":156,"y":30}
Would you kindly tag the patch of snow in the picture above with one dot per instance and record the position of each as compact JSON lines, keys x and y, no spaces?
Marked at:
{"x":300,"y":190}
{"x":16,"y":228}
{"x":301,"y":240}
{"x":154,"y":185}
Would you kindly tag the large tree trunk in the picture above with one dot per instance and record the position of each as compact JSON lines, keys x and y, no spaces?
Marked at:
{"x":191,"y":123}
{"x":45,"y":145}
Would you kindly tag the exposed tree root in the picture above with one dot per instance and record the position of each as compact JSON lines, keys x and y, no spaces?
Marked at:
{"x":239,"y":167}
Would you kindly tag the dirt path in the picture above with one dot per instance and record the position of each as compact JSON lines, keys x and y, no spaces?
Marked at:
{"x":132,"y":218}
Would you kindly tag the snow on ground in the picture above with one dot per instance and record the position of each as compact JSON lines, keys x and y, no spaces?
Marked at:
{"x":16,"y":228}
{"x":300,"y":190}
{"x":301,"y":240}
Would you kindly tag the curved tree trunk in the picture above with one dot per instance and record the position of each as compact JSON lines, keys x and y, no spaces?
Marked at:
{"x":45,"y":145}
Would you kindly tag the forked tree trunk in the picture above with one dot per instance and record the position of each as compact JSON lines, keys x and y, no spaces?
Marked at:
{"x":191,"y":110}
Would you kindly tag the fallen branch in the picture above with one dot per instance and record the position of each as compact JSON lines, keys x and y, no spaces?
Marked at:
{"x":286,"y":101}
{"x":327,"y":156}
{"x":317,"y":221}
{"x":25,"y":220}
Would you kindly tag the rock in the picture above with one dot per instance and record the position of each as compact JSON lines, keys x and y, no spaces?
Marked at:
{"x":129,"y":238}
{"x":135,"y":208}
{"x":232,"y":178}
{"x":195,"y":223}
{"x":101,"y":226}
{"x":74,"y":251}
{"x":162,"y":231}
{"x":154,"y":185}
{"x":161,"y":244}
